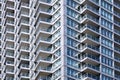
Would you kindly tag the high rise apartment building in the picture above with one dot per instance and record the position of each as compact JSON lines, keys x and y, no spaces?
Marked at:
{"x":59,"y":39}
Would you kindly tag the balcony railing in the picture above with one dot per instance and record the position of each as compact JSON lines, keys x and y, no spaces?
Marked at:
{"x":90,"y":17}
{"x":45,"y":68}
{"x":117,"y":58}
{"x":90,"y":7}
{"x":10,"y":70}
{"x":117,"y":76}
{"x":46,"y":59}
{"x":25,"y":4}
{"x":90,"y":66}
{"x":90,"y":27}
{"x":24,"y":48}
{"x":117,"y":67}
{"x":10,"y":14}
{"x":117,"y":40}
{"x":25,"y":65}
{"x":117,"y":49}
{"x":90,"y":75}
{"x":90,"y":56}
{"x":45,"y":49}
{"x":10,"y":46}
{"x":25,"y":21}
{"x":96,"y":48}
{"x":46,"y":10}
{"x":117,"y":22}
{"x":45,"y":20}
{"x":9,"y":54}
{"x":11,"y":30}
{"x":116,"y":31}
{"x":24,"y":57}
{"x":95,"y":1}
{"x":10,"y":21}
{"x":117,"y":4}
{"x":10,"y":5}
{"x":9,"y":62}
{"x":117,"y":13}
{"x":46,"y":1}
{"x":24,"y":74}
{"x":90,"y":36}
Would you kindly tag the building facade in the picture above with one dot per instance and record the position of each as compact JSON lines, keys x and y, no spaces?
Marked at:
{"x":59,"y":39}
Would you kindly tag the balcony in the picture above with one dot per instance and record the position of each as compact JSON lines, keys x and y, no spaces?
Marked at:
{"x":9,"y":70}
{"x":86,"y":16}
{"x":117,"y":49}
{"x":9,"y":46}
{"x":44,"y":40}
{"x":117,"y":67}
{"x":24,"y":57}
{"x":10,"y":14}
{"x":90,"y":8}
{"x":117,"y":31}
{"x":117,"y":58}
{"x":24,"y":66}
{"x":24,"y":75}
{"x":95,"y":1}
{"x":117,"y":40}
{"x":117,"y":4}
{"x":94,"y":28}
{"x":9,"y":62}
{"x":86,"y":76}
{"x":23,"y":21}
{"x":46,"y":49}
{"x":47,"y":20}
{"x":9,"y":30}
{"x":9,"y":54}
{"x":46,"y":1}
{"x":90,"y":36}
{"x":44,"y":78}
{"x":25,"y":4}
{"x":9,"y":78}
{"x":117,"y":76}
{"x":89,"y":55}
{"x":96,"y":48}
{"x":46,"y":59}
{"x":45,"y":69}
{"x":10,"y":22}
{"x":24,"y":39}
{"x":25,"y":13}
{"x":117,"y":22}
{"x":10,"y":5}
{"x":24,"y":48}
{"x":117,"y":13}
{"x":49,"y":11}
{"x":90,"y":66}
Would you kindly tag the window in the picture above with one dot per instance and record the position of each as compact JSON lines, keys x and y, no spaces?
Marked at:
{"x":106,"y":42}
{"x":71,"y":42}
{"x":106,"y":33}
{"x":72,"y":62}
{"x":106,"y":24}
{"x":72,"y":3}
{"x":106,"y":14}
{"x":72,"y":72}
{"x":107,"y":61}
{"x":71,"y":32}
{"x":107,"y":70}
{"x":71,"y":52}
{"x":106,"y":51}
{"x":72,"y":23}
{"x":106,"y":78}
{"x":72,"y":13}
{"x":106,"y":5}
